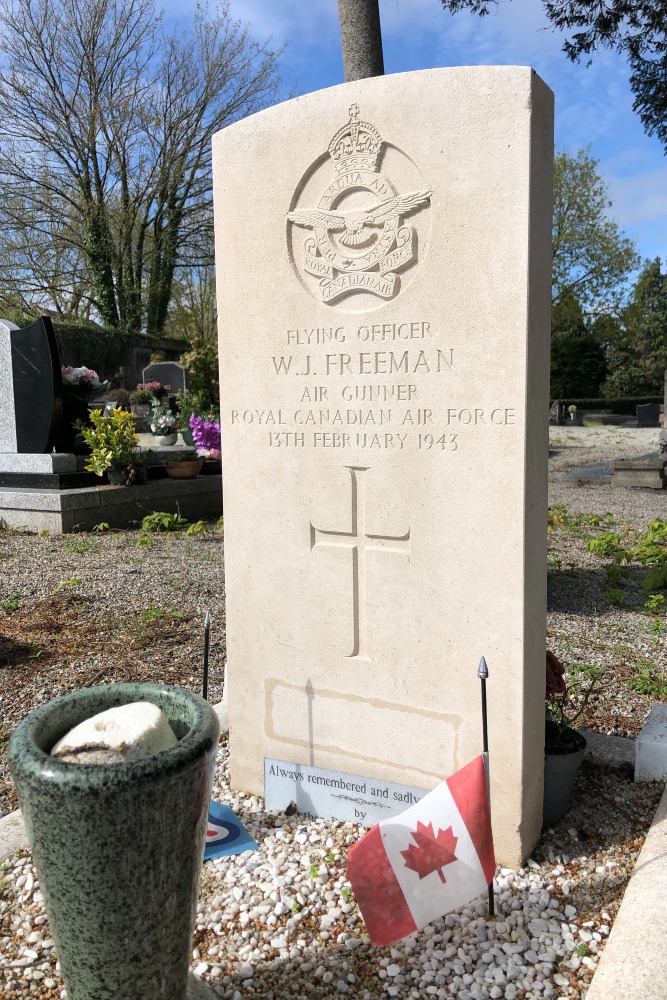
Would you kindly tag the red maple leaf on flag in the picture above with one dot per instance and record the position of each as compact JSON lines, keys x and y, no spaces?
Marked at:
{"x":431,"y":853}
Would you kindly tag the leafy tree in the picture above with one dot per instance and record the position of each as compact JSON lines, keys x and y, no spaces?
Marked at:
{"x":567,"y":317}
{"x":626,"y":377}
{"x":578,"y":367}
{"x":106,"y":122}
{"x":636,"y":27}
{"x":637,"y":343}
{"x":609,"y":331}
{"x":578,"y":360}
{"x":646,"y":320}
{"x":592,"y":259}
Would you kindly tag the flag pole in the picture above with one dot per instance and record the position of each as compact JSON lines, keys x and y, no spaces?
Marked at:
{"x":207,"y":633}
{"x":483,"y":673}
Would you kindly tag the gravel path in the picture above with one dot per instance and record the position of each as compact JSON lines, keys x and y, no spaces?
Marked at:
{"x":280,"y":922}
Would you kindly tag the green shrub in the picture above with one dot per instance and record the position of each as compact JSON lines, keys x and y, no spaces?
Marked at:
{"x":111,"y":439}
{"x":203,"y":395}
{"x":605,"y":544}
{"x":161,"y":520}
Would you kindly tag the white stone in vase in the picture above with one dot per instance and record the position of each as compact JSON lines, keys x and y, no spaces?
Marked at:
{"x":126,"y":733}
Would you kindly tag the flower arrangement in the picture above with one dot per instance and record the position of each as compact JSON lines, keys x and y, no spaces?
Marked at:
{"x":147,"y":393}
{"x":567,"y":701}
{"x":80,"y":376}
{"x":162,"y":421}
{"x":206,"y":435}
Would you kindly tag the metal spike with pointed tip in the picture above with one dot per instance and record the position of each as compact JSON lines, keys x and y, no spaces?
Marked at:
{"x":207,"y":632}
{"x":483,"y":673}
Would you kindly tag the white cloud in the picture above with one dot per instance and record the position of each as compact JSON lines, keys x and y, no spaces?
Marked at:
{"x":295,"y":21}
{"x":593,"y":104}
{"x":641,"y":197}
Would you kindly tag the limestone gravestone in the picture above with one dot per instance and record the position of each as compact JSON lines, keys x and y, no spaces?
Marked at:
{"x":385,"y":438}
{"x":30,"y":387}
{"x":170,"y":374}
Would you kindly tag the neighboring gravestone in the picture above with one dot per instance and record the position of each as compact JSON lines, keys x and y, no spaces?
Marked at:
{"x":170,"y":374}
{"x":383,"y":253}
{"x":30,"y":387}
{"x":647,"y":471}
{"x":648,"y":414}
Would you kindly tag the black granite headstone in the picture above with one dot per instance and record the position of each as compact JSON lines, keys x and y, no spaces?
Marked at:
{"x":37,"y":386}
{"x":648,"y":415}
{"x":170,"y":374}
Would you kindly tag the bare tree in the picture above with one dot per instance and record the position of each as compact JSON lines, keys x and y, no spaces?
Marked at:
{"x":40,"y":266}
{"x":192,"y":311}
{"x":105,"y":125}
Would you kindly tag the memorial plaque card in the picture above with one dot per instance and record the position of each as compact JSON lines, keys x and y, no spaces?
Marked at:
{"x":316,"y":792}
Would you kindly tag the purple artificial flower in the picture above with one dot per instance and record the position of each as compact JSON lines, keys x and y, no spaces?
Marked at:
{"x":206,"y":433}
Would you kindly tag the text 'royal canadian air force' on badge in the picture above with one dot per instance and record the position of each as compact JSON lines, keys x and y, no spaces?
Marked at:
{"x":359,"y":240}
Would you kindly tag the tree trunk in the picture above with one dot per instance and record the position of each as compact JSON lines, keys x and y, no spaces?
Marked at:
{"x":361,"y":38}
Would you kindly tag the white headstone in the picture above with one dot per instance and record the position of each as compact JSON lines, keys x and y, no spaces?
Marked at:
{"x":383,"y":265}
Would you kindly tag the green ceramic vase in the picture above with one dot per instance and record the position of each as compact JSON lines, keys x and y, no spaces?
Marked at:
{"x":119,"y":848}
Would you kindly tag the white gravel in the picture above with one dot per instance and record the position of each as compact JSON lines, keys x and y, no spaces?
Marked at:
{"x":280,"y":922}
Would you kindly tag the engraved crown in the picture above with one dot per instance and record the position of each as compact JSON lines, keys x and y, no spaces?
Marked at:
{"x":355,"y":146}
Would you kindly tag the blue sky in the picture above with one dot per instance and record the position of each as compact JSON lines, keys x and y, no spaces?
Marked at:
{"x":593,"y":104}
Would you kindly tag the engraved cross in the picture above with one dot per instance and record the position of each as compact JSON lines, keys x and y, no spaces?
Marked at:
{"x":360,"y":542}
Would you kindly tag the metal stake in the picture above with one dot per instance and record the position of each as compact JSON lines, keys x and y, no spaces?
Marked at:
{"x":207,"y":635}
{"x":483,"y":673}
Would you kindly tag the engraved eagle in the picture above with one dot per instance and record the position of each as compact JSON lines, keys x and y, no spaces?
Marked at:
{"x":356,"y":221}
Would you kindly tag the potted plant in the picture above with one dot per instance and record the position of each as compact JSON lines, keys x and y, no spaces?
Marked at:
{"x":192,"y":404}
{"x":183,"y":466}
{"x":163,"y":425}
{"x":114,"y":447}
{"x":564,"y":747}
{"x":206,"y":435}
{"x":142,"y":397}
{"x":78,"y":387}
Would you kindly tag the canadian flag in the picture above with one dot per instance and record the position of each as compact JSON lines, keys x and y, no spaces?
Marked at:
{"x":432,"y":858}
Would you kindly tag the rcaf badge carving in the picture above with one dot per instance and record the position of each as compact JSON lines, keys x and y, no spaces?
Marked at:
{"x":361,"y":235}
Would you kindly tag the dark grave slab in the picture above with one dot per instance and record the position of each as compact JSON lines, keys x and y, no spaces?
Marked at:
{"x":30,"y":388}
{"x":49,"y":481}
{"x":174,"y":377}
